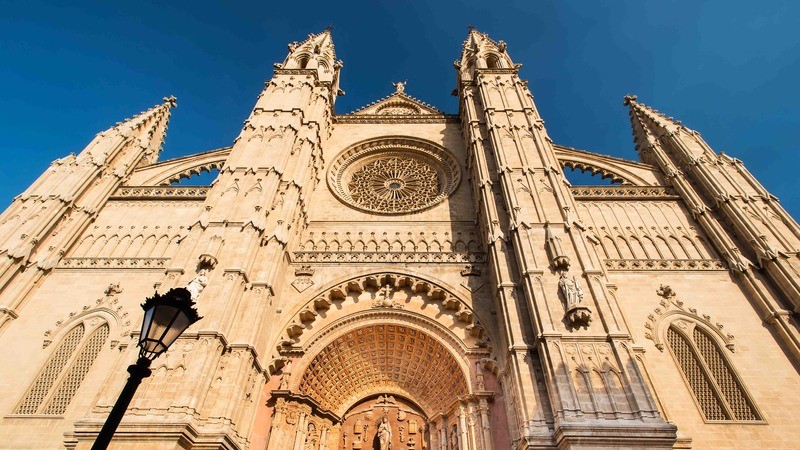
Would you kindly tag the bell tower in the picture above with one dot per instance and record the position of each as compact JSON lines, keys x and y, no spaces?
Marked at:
{"x":558,"y":322}
{"x":236,"y":247}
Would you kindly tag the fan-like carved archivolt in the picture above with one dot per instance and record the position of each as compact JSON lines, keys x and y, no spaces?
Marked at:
{"x":394,"y":176}
{"x":384,"y":358}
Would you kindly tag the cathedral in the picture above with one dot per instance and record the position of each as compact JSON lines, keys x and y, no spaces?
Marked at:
{"x":400,"y":278}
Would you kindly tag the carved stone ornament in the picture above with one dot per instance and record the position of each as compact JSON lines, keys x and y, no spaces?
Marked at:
{"x":394,"y":176}
{"x":109,"y":303}
{"x":672,"y":310}
{"x":303,"y":280}
{"x":559,"y":260}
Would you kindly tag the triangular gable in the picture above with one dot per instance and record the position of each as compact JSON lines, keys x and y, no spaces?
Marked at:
{"x":397,"y":104}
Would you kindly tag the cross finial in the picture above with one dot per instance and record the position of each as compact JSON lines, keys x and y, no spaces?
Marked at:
{"x":628,"y":99}
{"x":171,"y":101}
{"x":400,"y":86}
{"x":470,"y":27}
{"x":329,"y":28}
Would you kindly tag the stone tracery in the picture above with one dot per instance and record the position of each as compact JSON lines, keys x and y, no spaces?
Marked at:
{"x":394,"y":176}
{"x":394,"y":184}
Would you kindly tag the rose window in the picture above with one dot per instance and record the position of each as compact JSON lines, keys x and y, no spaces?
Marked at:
{"x":394,"y":176}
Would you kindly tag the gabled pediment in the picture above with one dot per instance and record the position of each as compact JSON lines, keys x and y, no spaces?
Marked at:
{"x":397,"y":104}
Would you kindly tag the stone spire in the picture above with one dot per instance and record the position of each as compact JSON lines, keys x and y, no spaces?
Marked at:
{"x":482,"y":52}
{"x":315,"y":53}
{"x":648,"y":124}
{"x":148,"y":129}
{"x":45,"y":220}
{"x":719,"y":190}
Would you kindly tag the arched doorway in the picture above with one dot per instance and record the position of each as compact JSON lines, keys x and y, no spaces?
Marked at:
{"x":384,"y":351}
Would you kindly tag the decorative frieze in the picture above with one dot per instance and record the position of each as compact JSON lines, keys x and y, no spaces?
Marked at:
{"x":665,"y":264}
{"x":160,"y":193}
{"x":391,"y":118}
{"x":623,"y":192}
{"x":113,"y":263}
{"x":384,"y":257}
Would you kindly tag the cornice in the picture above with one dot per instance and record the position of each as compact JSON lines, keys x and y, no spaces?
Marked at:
{"x":410,"y":118}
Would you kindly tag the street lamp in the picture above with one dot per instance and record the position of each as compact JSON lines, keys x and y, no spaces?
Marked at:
{"x":165,"y":318}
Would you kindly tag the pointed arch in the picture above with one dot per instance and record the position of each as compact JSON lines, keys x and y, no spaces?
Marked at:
{"x":74,"y":377}
{"x":709,"y":375}
{"x":62,"y":375}
{"x":32,"y":401}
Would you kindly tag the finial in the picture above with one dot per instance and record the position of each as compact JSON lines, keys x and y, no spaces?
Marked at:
{"x":171,"y":101}
{"x":470,"y":27}
{"x":628,"y":99}
{"x":400,"y":86}
{"x":329,"y":28}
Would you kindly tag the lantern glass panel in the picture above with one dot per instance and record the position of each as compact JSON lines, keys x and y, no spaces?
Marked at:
{"x":180,"y":324}
{"x":148,"y":319}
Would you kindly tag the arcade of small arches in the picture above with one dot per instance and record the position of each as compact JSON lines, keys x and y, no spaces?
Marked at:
{"x":385,"y":377}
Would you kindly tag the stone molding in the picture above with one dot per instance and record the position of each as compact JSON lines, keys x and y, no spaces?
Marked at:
{"x":406,"y":118}
{"x":161,"y":193}
{"x":664,"y":264}
{"x":393,"y":257}
{"x":430,"y":292}
{"x":113,"y":263}
{"x":624,"y":192}
{"x":672,"y":309}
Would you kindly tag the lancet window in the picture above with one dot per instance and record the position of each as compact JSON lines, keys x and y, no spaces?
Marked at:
{"x":65,"y":370}
{"x":717,"y":389}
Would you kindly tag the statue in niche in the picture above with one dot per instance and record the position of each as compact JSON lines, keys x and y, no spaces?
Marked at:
{"x":573,"y":294}
{"x":357,"y":427}
{"x":453,"y":444}
{"x":198,"y":283}
{"x":384,"y":434}
{"x":577,"y":314}
{"x":286,"y":374}
{"x":311,"y":437}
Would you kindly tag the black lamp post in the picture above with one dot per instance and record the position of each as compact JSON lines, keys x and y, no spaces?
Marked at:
{"x":165,"y":318}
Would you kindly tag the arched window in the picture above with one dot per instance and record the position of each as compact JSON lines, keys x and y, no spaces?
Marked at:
{"x":492,"y":62}
{"x":62,"y":375}
{"x":715,"y":386}
{"x":302,"y":61}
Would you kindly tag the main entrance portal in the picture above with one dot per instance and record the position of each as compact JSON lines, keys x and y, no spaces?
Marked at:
{"x":389,"y":384}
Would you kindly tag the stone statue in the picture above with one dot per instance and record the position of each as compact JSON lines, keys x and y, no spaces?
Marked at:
{"x":286,"y":374}
{"x":453,"y":439}
{"x":198,"y":283}
{"x":573,"y":294}
{"x":384,"y":434}
{"x":577,"y":314}
{"x":400,"y":86}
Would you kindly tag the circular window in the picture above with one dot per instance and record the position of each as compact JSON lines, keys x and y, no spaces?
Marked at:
{"x":394,"y":176}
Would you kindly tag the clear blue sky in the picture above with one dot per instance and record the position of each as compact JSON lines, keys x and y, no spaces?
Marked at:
{"x":728,"y":69}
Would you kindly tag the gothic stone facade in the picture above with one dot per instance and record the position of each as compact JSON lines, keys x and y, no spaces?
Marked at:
{"x":400,"y":278}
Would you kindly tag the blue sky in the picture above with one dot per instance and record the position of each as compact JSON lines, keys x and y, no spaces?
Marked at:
{"x":728,"y":69}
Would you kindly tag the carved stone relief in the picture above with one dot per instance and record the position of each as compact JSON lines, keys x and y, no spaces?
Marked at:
{"x":385,"y":419}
